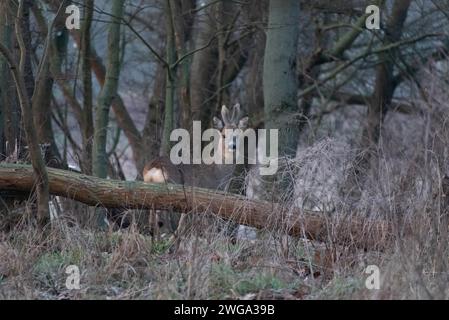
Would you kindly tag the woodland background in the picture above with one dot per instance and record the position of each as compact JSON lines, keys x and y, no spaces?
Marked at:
{"x":363,"y":131}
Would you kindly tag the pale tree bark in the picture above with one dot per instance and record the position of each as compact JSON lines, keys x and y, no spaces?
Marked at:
{"x":279,"y":76}
{"x":280,"y":82}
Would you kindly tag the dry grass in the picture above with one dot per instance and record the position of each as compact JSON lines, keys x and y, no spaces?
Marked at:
{"x":130,"y":264}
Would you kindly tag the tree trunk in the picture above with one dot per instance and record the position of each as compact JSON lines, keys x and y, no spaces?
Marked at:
{"x":384,"y":86}
{"x":379,"y":103}
{"x":152,"y":131}
{"x":279,"y":76}
{"x":43,"y":88}
{"x":39,"y":169}
{"x":41,"y":106}
{"x":24,"y":24}
{"x":280,"y":86}
{"x":182,"y":24}
{"x":11,"y":110}
{"x":5,"y":36}
{"x":356,"y":232}
{"x":171,"y":78}
{"x":203,"y":66}
{"x":254,"y":102}
{"x":122,"y":116}
{"x":108,"y":93}
{"x":87,"y":123}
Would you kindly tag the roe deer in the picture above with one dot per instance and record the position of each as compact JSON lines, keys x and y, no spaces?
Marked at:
{"x":211,"y":176}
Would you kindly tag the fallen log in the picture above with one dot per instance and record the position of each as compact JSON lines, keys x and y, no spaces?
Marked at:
{"x":349,"y":231}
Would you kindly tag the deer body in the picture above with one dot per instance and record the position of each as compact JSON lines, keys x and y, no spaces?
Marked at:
{"x":213,"y":176}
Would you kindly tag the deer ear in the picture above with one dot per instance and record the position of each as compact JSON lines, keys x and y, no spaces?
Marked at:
{"x":218,"y":124}
{"x":225,"y":114}
{"x":243,"y":123}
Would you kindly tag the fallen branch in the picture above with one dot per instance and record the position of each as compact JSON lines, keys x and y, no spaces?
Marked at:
{"x":350,"y":231}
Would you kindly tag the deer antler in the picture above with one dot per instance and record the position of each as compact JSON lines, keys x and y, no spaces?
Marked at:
{"x":225,"y":114}
{"x":236,"y":113}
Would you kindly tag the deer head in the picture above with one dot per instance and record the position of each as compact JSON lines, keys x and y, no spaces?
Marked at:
{"x":231,"y":119}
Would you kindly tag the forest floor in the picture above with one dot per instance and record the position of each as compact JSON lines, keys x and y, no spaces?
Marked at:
{"x":130,"y":264}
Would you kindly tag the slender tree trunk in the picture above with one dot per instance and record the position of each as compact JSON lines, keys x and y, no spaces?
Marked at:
{"x":182,"y":31}
{"x":203,"y":65}
{"x":152,"y":131}
{"x":8,"y":97}
{"x":41,"y":106}
{"x":24,"y":23}
{"x":5,"y":36}
{"x":100,"y":161}
{"x":108,"y":92}
{"x":87,"y":123}
{"x":170,"y":87}
{"x":222,"y":18}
